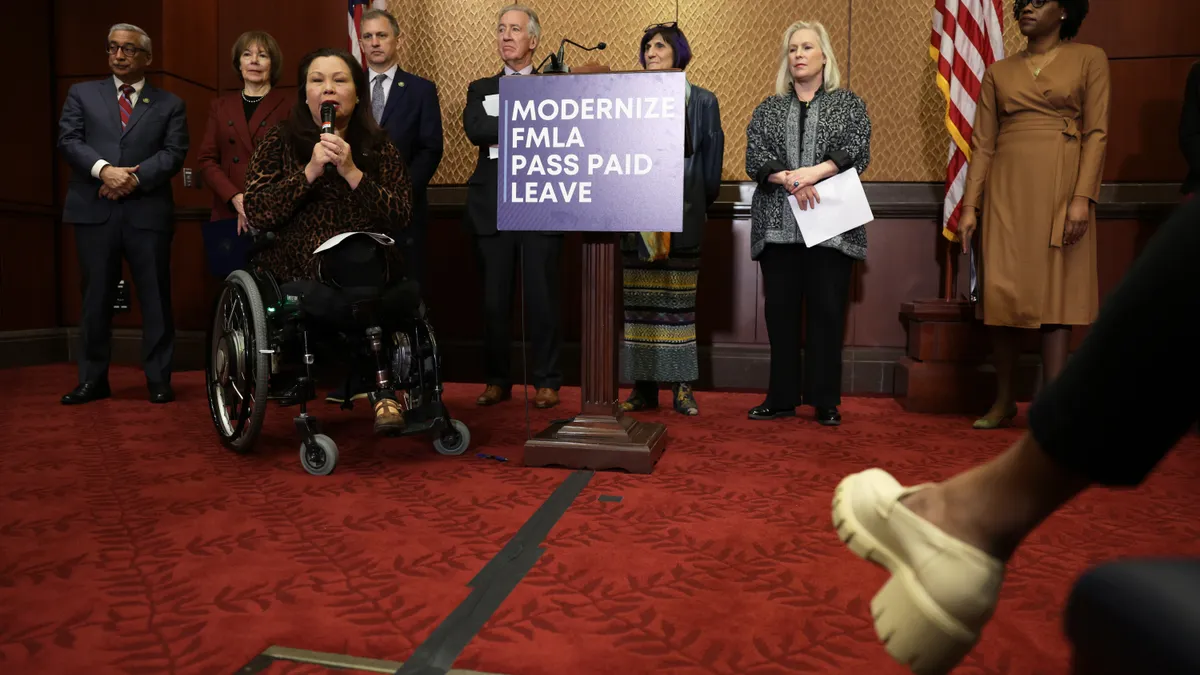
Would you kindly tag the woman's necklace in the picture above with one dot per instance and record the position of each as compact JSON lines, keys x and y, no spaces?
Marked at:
{"x":1046,"y":59}
{"x":251,"y":99}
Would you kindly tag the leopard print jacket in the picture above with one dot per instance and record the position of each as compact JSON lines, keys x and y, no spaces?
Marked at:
{"x":280,"y":199}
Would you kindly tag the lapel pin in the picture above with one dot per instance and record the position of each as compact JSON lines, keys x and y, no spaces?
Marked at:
{"x":399,"y":84}
{"x":145,"y":100}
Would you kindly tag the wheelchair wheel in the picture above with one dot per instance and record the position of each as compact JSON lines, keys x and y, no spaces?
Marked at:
{"x":453,"y":440}
{"x":238,"y":375}
{"x":321,"y":460}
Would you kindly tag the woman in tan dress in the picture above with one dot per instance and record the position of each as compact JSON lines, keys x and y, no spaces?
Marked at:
{"x":1037,"y":160}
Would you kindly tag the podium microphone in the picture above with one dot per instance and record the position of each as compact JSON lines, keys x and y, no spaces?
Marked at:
{"x":557,"y":61}
{"x":328,"y":112}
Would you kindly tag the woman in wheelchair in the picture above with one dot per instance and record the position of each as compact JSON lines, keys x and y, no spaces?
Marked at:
{"x":306,"y":187}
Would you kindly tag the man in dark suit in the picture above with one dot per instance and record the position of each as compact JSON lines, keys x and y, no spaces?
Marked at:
{"x":1189,"y":131}
{"x":407,"y":108}
{"x":501,"y":253}
{"x":124,"y":140}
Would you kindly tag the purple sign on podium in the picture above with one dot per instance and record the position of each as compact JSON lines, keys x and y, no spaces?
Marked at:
{"x":598,"y":152}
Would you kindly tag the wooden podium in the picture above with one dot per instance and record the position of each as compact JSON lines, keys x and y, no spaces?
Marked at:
{"x":601,"y":436}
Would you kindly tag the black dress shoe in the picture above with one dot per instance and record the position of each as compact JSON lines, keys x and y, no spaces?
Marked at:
{"x":161,"y":393}
{"x":763,"y":412}
{"x":829,"y":417}
{"x":86,"y":393}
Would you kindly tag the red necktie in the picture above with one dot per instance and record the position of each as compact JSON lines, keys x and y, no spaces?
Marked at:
{"x":124,"y":103}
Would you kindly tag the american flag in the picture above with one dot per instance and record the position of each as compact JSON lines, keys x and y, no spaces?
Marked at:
{"x":357,"y":7}
{"x":968,"y":36}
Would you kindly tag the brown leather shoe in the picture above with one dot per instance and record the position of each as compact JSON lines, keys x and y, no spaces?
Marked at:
{"x":493,"y":394}
{"x":546,"y":398}
{"x":388,"y":418}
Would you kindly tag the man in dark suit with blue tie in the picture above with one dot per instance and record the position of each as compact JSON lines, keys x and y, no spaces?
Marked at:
{"x":407,"y":108}
{"x":124,"y":140}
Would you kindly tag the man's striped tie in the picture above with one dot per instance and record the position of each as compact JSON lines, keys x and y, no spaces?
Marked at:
{"x":125,"y":104}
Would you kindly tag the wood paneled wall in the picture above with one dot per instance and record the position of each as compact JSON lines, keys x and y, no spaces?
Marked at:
{"x":28,"y":273}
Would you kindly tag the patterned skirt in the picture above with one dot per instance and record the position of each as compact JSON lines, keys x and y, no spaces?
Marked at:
{"x":660,"y":317}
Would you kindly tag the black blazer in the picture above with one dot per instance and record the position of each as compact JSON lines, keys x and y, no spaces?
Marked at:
{"x":483,"y":130}
{"x":412,"y":118}
{"x":1189,"y":131}
{"x":702,"y":168}
{"x":155,"y":140}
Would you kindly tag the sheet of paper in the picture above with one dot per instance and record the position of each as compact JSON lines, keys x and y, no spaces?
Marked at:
{"x":337,"y":239}
{"x":491,"y":104}
{"x":493,"y":152}
{"x":843,"y":207}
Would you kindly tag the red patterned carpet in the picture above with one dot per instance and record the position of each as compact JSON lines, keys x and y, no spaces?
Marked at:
{"x":131,"y":542}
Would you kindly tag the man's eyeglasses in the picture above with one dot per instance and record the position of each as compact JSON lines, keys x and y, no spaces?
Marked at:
{"x":129,"y":50}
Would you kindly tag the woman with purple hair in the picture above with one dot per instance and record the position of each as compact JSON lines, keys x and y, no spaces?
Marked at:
{"x":661,"y":268}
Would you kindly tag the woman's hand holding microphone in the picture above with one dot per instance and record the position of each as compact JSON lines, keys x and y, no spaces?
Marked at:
{"x":332,"y":149}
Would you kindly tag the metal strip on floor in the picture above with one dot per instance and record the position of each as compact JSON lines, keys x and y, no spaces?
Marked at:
{"x":334,"y":661}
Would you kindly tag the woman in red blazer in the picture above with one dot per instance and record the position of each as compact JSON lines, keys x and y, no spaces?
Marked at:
{"x":237,"y":122}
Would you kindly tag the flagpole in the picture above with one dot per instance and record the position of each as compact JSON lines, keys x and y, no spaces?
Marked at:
{"x":950,"y":279}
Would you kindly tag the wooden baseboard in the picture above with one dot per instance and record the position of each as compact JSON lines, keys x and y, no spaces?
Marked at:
{"x":32,"y":347}
{"x":724,"y":367}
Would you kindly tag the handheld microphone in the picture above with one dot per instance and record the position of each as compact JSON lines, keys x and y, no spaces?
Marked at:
{"x":328,"y":112}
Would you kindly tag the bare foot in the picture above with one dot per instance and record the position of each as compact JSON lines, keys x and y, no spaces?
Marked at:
{"x":936,"y":505}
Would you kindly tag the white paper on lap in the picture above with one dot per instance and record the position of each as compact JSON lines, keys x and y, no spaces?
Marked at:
{"x":383,"y":240}
{"x":843,"y":207}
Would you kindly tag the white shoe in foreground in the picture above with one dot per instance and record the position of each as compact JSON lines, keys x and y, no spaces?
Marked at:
{"x":942,"y":591}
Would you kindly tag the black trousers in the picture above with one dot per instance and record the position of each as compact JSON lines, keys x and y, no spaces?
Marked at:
{"x":537,"y":257}
{"x":1124,"y":399}
{"x":813,"y":282}
{"x":100,"y":248}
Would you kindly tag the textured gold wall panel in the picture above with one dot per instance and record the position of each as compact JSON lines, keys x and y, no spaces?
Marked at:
{"x":881,"y":45}
{"x":895,"y":76}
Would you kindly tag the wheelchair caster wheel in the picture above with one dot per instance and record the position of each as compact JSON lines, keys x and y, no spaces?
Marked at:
{"x":321,"y":460}
{"x":454,"y":439}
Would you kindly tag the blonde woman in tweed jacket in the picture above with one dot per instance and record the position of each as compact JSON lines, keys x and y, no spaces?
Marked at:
{"x":810,"y":130}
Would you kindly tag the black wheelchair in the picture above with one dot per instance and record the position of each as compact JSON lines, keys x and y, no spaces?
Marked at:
{"x":265,"y":339}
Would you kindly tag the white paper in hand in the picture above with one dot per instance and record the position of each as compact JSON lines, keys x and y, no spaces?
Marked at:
{"x":339,"y":238}
{"x":491,"y":104}
{"x":493,"y":152}
{"x":843,"y":207}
